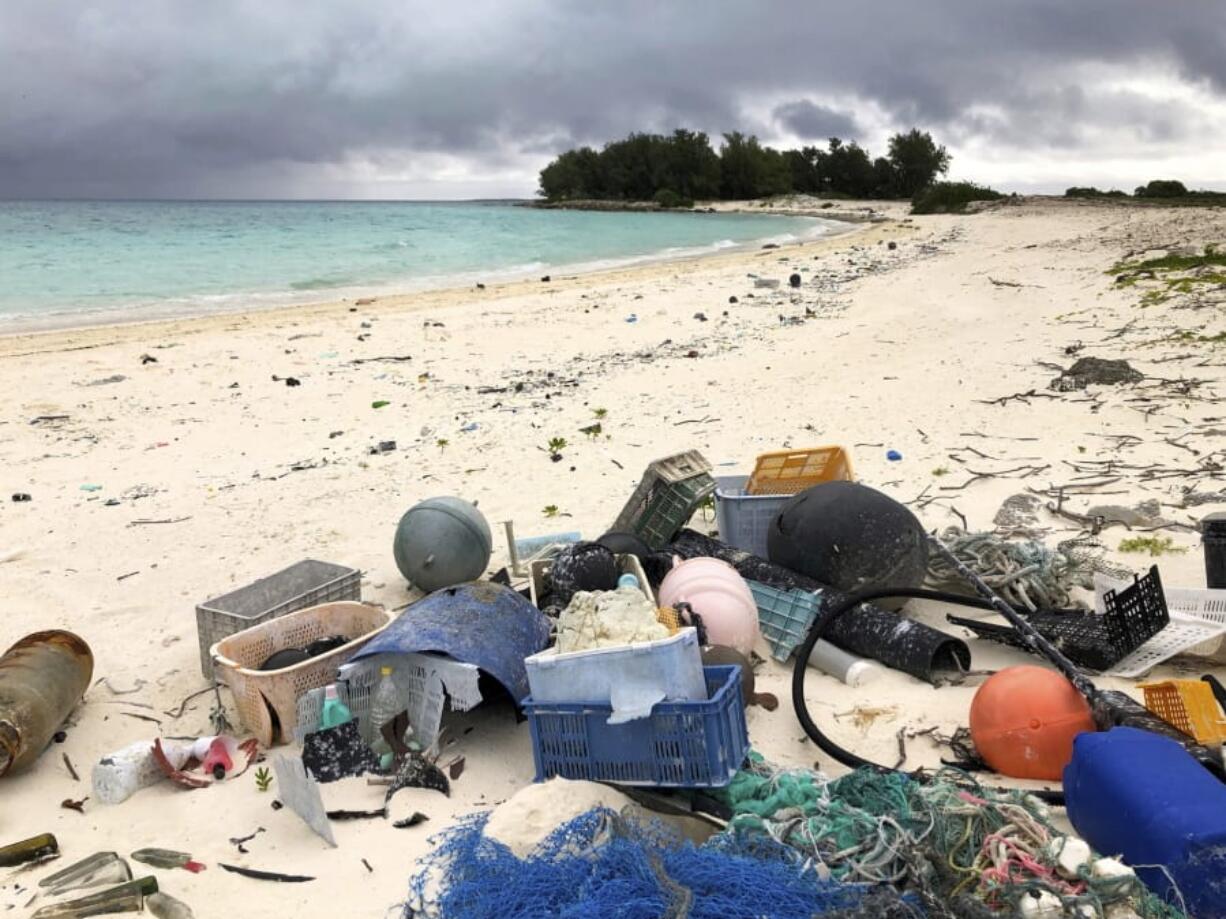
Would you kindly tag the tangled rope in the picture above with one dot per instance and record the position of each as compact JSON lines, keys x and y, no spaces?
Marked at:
{"x":1024,"y":571}
{"x":967,"y":850}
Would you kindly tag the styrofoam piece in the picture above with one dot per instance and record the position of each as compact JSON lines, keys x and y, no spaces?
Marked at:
{"x":631,"y":678}
{"x":300,"y":793}
{"x":424,"y":682}
{"x":626,"y":564}
{"x":1197,"y":626}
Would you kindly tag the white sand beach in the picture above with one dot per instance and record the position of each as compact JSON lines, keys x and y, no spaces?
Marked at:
{"x":931,"y":336}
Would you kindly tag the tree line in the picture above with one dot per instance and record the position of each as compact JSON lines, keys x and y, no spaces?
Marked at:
{"x":677,"y":169}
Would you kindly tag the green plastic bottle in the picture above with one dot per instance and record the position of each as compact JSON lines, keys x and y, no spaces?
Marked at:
{"x":335,"y":712}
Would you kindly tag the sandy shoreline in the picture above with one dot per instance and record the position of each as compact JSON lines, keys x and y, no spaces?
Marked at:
{"x":911,"y":348}
{"x":495,"y":282}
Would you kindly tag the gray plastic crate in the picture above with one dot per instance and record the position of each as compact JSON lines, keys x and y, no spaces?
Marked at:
{"x":745,"y":519}
{"x":307,"y":583}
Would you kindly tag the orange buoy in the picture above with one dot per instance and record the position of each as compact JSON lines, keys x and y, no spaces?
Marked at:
{"x":1024,"y":719}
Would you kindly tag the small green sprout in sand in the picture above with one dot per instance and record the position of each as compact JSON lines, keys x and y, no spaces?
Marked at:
{"x":1153,"y":545}
{"x":940,"y":471}
{"x":592,"y":430}
{"x":600,"y":413}
{"x":442,"y":443}
{"x":263,"y":779}
{"x":551,"y":510}
{"x":555,"y":447}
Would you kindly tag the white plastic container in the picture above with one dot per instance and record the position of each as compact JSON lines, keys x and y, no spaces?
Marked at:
{"x":119,"y":775}
{"x":631,"y":678}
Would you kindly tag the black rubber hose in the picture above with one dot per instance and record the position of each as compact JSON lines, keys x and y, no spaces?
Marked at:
{"x":818,"y":630}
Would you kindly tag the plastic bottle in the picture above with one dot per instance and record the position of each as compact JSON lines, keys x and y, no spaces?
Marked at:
{"x":100,"y":868}
{"x":125,"y":898}
{"x":33,"y":849}
{"x":164,"y":906}
{"x":119,"y":775}
{"x":42,"y":678}
{"x":167,"y":858}
{"x":335,"y":712}
{"x":384,"y":707}
{"x":628,"y":580}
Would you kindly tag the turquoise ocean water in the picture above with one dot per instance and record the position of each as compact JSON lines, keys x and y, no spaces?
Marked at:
{"x":77,"y":262}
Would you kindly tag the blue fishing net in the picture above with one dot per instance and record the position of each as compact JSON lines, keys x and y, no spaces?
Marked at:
{"x":605,"y":866}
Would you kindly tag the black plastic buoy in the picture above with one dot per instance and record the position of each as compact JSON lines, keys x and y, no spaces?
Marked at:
{"x":849,"y":536}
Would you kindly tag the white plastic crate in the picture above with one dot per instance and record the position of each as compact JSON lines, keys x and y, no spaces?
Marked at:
{"x":1197,"y":627}
{"x":632,"y":678}
{"x":744,"y":519}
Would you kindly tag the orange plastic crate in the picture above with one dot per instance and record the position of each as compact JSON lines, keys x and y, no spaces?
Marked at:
{"x":1188,"y":705}
{"x":786,"y":472}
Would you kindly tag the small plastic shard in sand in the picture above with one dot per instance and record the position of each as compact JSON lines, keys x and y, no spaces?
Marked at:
{"x":258,"y":875}
{"x":167,"y":858}
{"x":300,"y":793}
{"x":164,"y":906}
{"x":96,"y":870}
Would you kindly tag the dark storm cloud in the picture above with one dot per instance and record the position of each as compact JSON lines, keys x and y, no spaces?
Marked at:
{"x":279,"y":97}
{"x":810,"y":121}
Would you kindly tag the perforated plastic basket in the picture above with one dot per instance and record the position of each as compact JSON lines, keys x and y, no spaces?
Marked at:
{"x":303,"y":584}
{"x":786,"y":472}
{"x":1190,"y":706}
{"x":666,"y":497}
{"x":784,"y":617}
{"x":1197,"y":627}
{"x":680,"y":745}
{"x":267,"y":700}
{"x":745,"y":519}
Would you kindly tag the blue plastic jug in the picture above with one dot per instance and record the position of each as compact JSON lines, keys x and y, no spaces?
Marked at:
{"x":1143,"y":797}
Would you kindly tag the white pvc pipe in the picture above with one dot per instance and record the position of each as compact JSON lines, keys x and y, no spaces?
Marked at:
{"x":852,"y":670}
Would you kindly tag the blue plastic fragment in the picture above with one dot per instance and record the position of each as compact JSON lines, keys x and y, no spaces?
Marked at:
{"x":480,"y":623}
{"x":893,"y":456}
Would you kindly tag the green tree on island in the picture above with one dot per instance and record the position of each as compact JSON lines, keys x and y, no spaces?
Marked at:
{"x":674,"y":170}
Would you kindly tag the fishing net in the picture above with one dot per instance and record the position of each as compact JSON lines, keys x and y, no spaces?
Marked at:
{"x":966,"y":850}
{"x":1024,"y":571}
{"x":602,"y":865}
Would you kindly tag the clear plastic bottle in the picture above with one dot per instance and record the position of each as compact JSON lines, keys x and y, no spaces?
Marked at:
{"x":384,"y":707}
{"x":335,"y":712}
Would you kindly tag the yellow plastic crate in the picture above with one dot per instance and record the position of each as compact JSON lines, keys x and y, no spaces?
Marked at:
{"x":1190,"y":706}
{"x":786,"y":472}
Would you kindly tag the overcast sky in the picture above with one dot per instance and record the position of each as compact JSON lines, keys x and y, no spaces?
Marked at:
{"x":401,"y":99}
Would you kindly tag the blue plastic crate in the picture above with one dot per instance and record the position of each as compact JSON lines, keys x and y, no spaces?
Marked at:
{"x":784,"y":617}
{"x":744,"y":519}
{"x":680,"y":744}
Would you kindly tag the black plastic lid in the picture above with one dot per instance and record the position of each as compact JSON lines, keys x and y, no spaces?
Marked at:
{"x":1214,"y":526}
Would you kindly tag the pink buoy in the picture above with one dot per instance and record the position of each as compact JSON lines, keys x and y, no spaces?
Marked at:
{"x":718,"y":594}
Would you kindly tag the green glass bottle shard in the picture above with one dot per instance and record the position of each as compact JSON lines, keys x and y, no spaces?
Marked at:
{"x":124,"y":898}
{"x":162,"y":858}
{"x":99,"y":869}
{"x":34,"y":849}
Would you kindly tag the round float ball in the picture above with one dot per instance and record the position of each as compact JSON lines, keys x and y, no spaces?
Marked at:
{"x":1024,"y":719}
{"x":621,"y":543}
{"x":441,"y":542}
{"x":582,"y":566}
{"x":850,"y":537}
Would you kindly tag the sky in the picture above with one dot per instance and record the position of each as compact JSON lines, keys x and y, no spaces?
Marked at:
{"x":392,"y":99}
